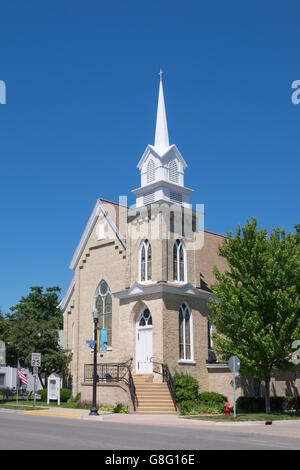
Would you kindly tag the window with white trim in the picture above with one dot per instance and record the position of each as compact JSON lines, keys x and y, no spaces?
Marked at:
{"x":145,"y":261}
{"x":101,"y":229}
{"x":179,"y":264}
{"x":103,"y":305}
{"x":185,"y":334}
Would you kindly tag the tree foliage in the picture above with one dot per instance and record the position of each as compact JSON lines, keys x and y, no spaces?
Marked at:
{"x":257,"y":316}
{"x":34,"y":325}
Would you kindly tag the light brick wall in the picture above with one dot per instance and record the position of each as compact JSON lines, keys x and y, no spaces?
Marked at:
{"x":172,"y":304}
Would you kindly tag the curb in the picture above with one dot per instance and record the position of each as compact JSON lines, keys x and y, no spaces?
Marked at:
{"x":45,"y":413}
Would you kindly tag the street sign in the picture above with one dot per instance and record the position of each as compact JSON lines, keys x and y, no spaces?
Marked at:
{"x":234,"y":364}
{"x":35,"y":371}
{"x":35,"y":359}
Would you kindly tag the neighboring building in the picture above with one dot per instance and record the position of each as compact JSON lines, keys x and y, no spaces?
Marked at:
{"x":8,"y":378}
{"x":148,"y":272}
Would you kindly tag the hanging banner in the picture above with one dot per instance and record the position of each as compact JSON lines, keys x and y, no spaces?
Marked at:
{"x":102,"y":340}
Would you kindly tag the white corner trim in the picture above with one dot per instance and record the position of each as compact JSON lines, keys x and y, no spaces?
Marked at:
{"x":65,"y":300}
{"x":88,"y":230}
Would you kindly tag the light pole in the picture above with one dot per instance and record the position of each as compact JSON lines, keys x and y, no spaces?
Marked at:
{"x":94,"y":409}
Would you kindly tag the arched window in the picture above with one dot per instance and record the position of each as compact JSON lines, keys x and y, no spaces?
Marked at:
{"x":150,"y":172}
{"x":179,"y":261}
{"x":103,"y":305}
{"x":173,"y":171}
{"x":146,"y":318}
{"x":145,"y":261}
{"x":185,"y":334}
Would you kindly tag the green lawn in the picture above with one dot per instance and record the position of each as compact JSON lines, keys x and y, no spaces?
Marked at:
{"x":248,"y":417}
{"x":40,"y":405}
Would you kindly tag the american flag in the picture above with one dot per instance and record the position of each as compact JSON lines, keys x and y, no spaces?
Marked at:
{"x":21,"y":375}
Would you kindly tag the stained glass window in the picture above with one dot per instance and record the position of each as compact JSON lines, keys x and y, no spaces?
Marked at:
{"x":103,"y":305}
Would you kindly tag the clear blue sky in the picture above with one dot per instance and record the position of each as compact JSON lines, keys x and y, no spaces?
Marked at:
{"x":82,"y":85}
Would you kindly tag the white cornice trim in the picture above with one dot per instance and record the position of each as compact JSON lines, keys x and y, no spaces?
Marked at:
{"x":160,"y":183}
{"x":140,"y":290}
{"x":66,"y":298}
{"x":88,"y":230}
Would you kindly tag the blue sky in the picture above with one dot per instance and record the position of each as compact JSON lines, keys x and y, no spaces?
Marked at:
{"x":82,"y":85}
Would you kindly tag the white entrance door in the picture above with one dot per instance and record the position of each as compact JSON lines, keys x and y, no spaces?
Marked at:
{"x":144,"y":343}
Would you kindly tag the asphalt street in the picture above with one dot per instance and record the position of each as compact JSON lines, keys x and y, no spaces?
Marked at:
{"x":34,"y":432}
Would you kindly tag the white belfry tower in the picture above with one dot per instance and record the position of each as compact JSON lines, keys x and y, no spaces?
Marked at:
{"x":162,"y":166}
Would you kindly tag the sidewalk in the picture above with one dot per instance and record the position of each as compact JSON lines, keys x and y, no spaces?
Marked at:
{"x":105,"y":415}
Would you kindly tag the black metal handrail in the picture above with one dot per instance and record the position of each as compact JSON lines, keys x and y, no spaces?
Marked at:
{"x":167,"y":377}
{"x":113,"y":372}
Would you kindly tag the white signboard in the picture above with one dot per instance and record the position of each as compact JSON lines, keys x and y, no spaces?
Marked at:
{"x":35,"y":359}
{"x":53,"y":389}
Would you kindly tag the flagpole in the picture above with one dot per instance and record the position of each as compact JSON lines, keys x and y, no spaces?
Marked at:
{"x":17,"y":381}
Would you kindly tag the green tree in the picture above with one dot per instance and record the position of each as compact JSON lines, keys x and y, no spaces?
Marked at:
{"x":257,"y":316}
{"x":34,"y":326}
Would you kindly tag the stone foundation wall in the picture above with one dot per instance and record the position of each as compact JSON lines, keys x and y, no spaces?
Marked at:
{"x":108,"y":394}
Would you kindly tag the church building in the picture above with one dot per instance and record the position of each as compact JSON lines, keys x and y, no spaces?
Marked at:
{"x":146,"y":272}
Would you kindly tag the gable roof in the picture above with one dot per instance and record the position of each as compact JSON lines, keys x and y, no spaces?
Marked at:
{"x":102,"y":205}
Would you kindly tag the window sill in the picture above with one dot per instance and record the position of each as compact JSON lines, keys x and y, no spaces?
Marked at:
{"x":185,"y":361}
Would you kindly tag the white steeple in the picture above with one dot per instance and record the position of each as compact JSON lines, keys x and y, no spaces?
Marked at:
{"x":162,"y":165}
{"x":161,"y":141}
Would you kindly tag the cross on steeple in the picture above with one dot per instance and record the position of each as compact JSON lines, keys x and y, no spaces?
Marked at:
{"x":160,"y":74}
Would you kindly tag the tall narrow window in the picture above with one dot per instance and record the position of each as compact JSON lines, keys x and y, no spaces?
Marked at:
{"x":185,"y":334}
{"x":179,"y":268}
{"x":150,"y":172}
{"x":209,"y":335}
{"x":173,"y":171}
{"x":145,"y":261}
{"x":103,"y":305}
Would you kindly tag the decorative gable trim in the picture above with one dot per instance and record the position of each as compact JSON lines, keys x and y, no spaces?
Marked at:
{"x":88,"y":230}
{"x":66,"y":298}
{"x":162,"y":156}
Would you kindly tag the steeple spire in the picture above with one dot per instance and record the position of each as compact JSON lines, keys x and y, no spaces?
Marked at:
{"x":161,"y":141}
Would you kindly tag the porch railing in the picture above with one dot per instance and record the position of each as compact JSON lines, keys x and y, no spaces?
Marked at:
{"x":113,"y":372}
{"x":164,"y":370}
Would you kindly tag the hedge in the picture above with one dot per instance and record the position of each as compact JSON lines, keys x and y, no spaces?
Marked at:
{"x":65,"y":394}
{"x":257,"y":405}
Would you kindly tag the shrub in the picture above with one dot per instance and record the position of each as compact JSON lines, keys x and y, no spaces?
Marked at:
{"x":65,"y":394}
{"x":212,"y":399}
{"x":121,"y":408}
{"x":192,"y":407}
{"x":43,"y":393}
{"x":186,"y":387}
{"x":75,"y":399}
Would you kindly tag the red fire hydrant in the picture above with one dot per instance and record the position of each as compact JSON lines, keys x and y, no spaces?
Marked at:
{"x":227,"y":409}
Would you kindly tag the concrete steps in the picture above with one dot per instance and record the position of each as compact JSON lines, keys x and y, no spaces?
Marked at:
{"x":153,"y":397}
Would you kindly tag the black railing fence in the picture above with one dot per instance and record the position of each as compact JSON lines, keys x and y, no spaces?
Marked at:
{"x":163,"y":369}
{"x":113,"y":372}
